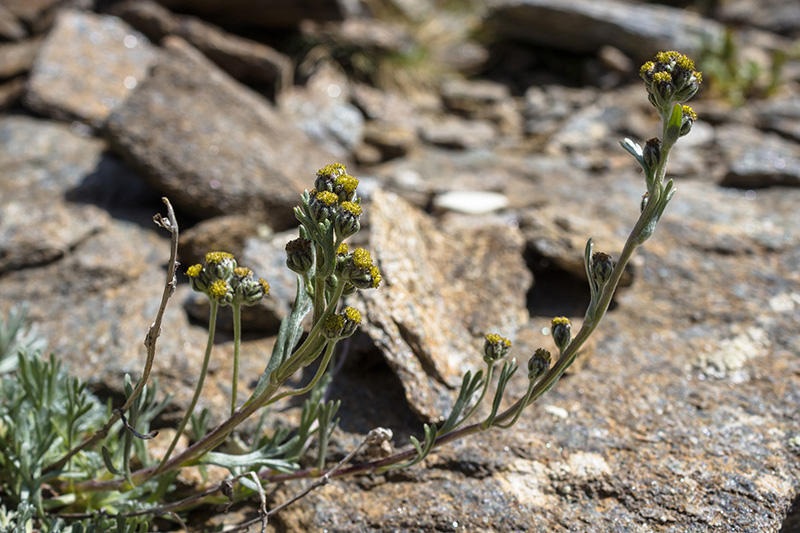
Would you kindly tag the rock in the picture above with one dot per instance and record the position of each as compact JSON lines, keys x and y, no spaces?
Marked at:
{"x":87,"y":66}
{"x":250,"y":62}
{"x":11,"y":92}
{"x":583,"y":26}
{"x":10,"y":27}
{"x":776,"y":16}
{"x":29,"y":11}
{"x":17,"y":58}
{"x":755,"y":159}
{"x":369,"y":36}
{"x":224,"y":233}
{"x":435,"y":300}
{"x":237,"y":154}
{"x":780,"y":115}
{"x":322,"y":109}
{"x":266,"y":14}
{"x":451,"y":131}
{"x":484,"y":100}
{"x":391,"y":140}
{"x":147,"y":16}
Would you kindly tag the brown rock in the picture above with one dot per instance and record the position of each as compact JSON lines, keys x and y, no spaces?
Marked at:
{"x":267,"y":13}
{"x":440,"y":292}
{"x":237,"y":155}
{"x":16,"y":58}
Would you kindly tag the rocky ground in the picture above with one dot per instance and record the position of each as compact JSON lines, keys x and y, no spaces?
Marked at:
{"x":485,"y":138}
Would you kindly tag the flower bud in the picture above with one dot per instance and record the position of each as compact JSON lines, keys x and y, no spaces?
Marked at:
{"x":342,"y":325}
{"x":352,"y":319}
{"x":221,"y":292}
{"x":538,"y":364}
{"x":220,"y":265}
{"x":323,"y":206}
{"x":561,"y":329}
{"x":495,"y":348}
{"x":299,"y":255}
{"x":357,"y":268}
{"x":198,"y":278}
{"x":246,"y":289}
{"x":602,"y":267}
{"x":347,"y":221}
{"x":326,"y":177}
{"x":689,"y":117}
{"x":652,"y":152}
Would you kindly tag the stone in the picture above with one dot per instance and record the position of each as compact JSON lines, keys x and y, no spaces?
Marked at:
{"x":435,"y":301}
{"x":777,"y":16}
{"x":369,"y":36}
{"x":266,"y":14}
{"x":223,"y":233}
{"x":755,"y":159}
{"x":11,"y":92}
{"x":485,"y":100}
{"x":238,"y":155}
{"x":583,"y":26}
{"x":147,"y":16}
{"x":391,"y":140}
{"x":322,"y":109}
{"x":17,"y":58}
{"x":250,"y":62}
{"x":451,"y":131}
{"x":10,"y":27}
{"x":87,"y":66}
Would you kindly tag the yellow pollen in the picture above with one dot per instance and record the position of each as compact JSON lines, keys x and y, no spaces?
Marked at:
{"x":212,"y":258}
{"x":218,"y":289}
{"x":194,"y":270}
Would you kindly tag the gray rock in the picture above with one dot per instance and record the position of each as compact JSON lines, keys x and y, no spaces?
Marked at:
{"x":485,"y":100}
{"x":755,"y":159}
{"x":236,"y":153}
{"x":87,"y":66}
{"x":265,"y":14}
{"x":436,"y":299}
{"x":778,"y":16}
{"x":583,"y":26}
{"x":451,"y":131}
{"x":322,"y":109}
{"x":224,"y":233}
{"x":391,"y":140}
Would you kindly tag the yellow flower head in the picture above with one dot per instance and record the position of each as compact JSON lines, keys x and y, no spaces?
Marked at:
{"x":194,"y":270}
{"x":212,"y":258}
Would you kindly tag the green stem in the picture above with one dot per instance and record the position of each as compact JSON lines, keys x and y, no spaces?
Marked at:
{"x":237,"y":340}
{"x":212,"y":326}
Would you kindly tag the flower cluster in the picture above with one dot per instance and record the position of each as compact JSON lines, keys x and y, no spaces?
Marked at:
{"x":670,"y":79}
{"x":226,"y":283}
{"x":334,"y":199}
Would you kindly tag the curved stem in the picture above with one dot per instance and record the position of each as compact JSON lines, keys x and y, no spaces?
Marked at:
{"x":212,"y":326}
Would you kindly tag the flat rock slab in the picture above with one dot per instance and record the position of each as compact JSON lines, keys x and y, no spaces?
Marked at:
{"x":583,"y":26}
{"x":440,"y":292}
{"x":212,"y":145}
{"x":87,"y":66}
